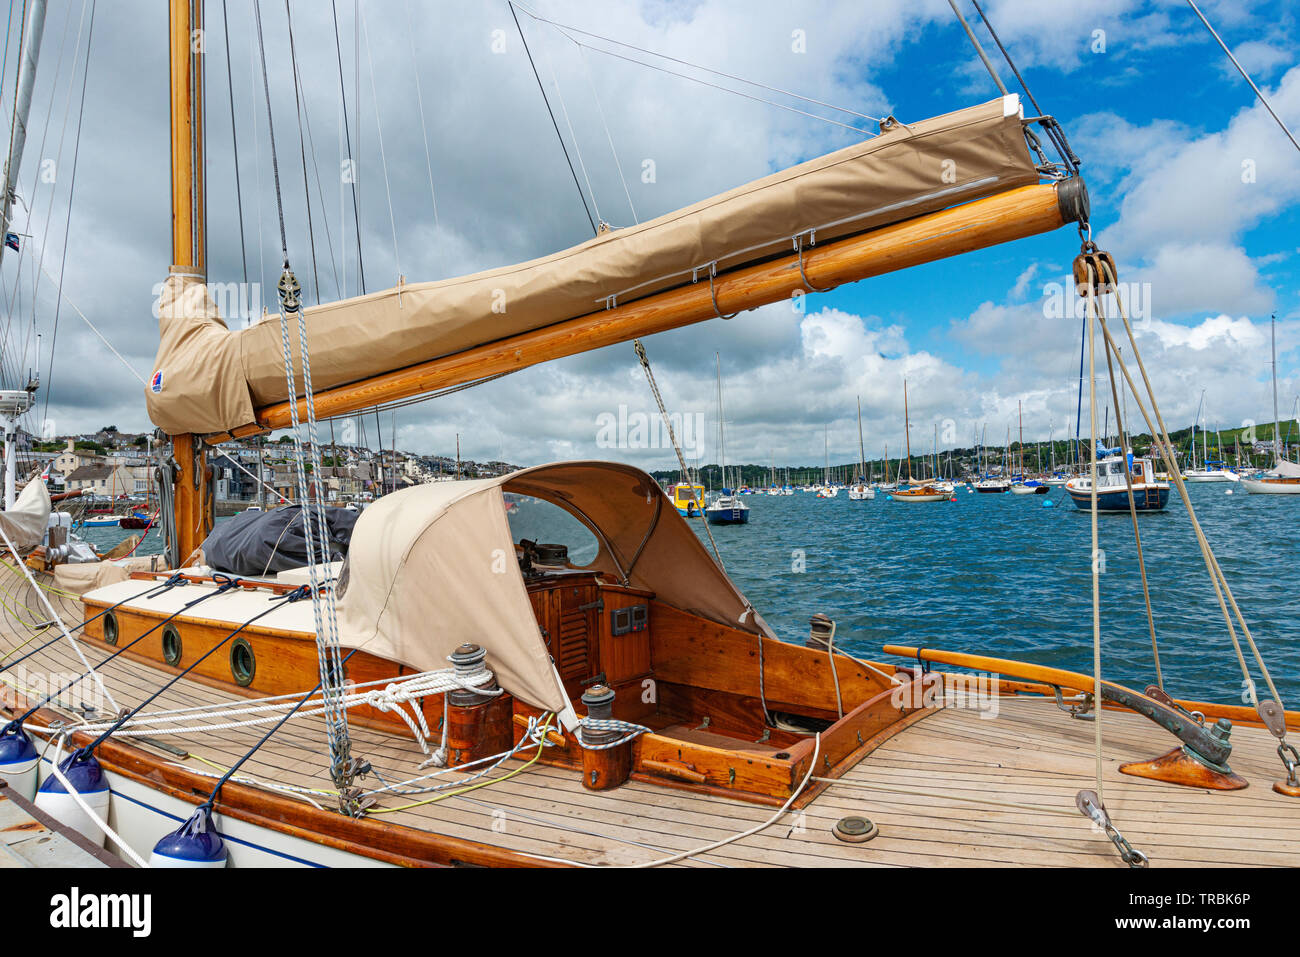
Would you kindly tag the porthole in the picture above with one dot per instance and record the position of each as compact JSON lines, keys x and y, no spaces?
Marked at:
{"x":110,"y":628}
{"x":243,"y":665}
{"x":171,"y":646}
{"x":331,"y":675}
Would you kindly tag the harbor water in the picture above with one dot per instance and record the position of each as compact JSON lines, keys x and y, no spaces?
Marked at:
{"x":1005,"y":576}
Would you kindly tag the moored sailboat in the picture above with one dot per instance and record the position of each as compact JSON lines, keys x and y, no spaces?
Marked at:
{"x":386,"y":740}
{"x":861,"y":490}
{"x":728,"y":508}
{"x":915,"y":493}
{"x":1284,"y":477}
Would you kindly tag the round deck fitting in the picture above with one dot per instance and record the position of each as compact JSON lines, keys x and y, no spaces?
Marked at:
{"x":855,"y":830}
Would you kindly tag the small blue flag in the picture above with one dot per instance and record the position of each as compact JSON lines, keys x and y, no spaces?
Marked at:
{"x":11,"y":240}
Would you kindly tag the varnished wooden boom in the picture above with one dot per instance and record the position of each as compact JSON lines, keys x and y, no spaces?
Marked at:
{"x":1075,"y":681}
{"x":1014,"y":214}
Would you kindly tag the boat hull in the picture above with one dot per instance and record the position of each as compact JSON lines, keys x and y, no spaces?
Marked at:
{"x":920,"y":495}
{"x":1146,"y":498}
{"x":1271,"y":486}
{"x":1214,"y":476}
{"x":728,"y":516}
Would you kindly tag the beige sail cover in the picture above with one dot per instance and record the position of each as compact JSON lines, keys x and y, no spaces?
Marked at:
{"x":1286,"y":469}
{"x":212,"y":378}
{"x":432,"y":567}
{"x":24,"y":525}
{"x":198,"y":379}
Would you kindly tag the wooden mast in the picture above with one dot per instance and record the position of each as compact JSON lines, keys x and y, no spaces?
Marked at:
{"x":1025,"y":211}
{"x":193,"y":506}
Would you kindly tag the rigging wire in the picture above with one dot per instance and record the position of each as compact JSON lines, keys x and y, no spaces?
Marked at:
{"x":979,"y":48}
{"x":724,"y":89}
{"x":1246,"y":76}
{"x":545,"y":99}
{"x":586,"y":67}
{"x":1053,"y":129}
{"x":302,"y":146}
{"x":72,"y":186}
{"x":13,"y":125}
{"x":704,"y":69}
{"x":36,"y":178}
{"x":257,"y":168}
{"x":419,"y":98}
{"x":383,"y":159}
{"x":234,"y":139}
{"x":4,"y":64}
{"x":347,"y":132}
{"x":320,"y":191}
{"x":327,"y":648}
{"x":577,"y":147}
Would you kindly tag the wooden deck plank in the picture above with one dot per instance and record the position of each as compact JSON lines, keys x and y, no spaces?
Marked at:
{"x":1029,"y":753}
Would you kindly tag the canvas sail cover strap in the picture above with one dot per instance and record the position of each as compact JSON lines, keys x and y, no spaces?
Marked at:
{"x":209,"y":379}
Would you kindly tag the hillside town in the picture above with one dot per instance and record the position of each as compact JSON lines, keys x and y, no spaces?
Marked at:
{"x":112,"y":465}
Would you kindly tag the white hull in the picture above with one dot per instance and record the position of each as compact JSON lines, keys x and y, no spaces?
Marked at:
{"x":862,"y":493}
{"x":1266,"y":487}
{"x":141,"y":816}
{"x":1210,"y":475}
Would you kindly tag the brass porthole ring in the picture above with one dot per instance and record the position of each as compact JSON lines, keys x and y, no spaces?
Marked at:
{"x":243,"y":664}
{"x":171,"y":645}
{"x":110,"y":628}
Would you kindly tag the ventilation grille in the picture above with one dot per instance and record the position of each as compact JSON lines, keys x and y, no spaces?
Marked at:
{"x":575,"y":639}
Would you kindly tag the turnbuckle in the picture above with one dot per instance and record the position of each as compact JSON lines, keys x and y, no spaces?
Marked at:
{"x":1091,"y":807}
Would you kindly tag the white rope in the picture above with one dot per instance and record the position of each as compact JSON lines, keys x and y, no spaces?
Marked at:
{"x":1096,"y":570}
{"x":1217,"y":578}
{"x":389,"y":699}
{"x":90,"y":812}
{"x":54,"y":615}
{"x":812,"y":766}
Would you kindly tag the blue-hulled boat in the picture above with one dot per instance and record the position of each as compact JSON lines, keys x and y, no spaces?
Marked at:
{"x":727,"y":509}
{"x":1149,"y":495}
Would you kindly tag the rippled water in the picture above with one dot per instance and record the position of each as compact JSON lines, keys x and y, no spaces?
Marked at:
{"x":1003,"y":575}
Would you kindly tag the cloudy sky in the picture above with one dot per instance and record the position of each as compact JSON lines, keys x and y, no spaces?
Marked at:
{"x":1193,"y":190}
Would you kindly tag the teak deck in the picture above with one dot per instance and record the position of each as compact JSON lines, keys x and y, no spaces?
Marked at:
{"x":917,"y":785}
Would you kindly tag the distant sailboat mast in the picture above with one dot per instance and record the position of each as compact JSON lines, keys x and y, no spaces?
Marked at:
{"x":907,"y":429}
{"x":1277,"y":446}
{"x":862,"y":452}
